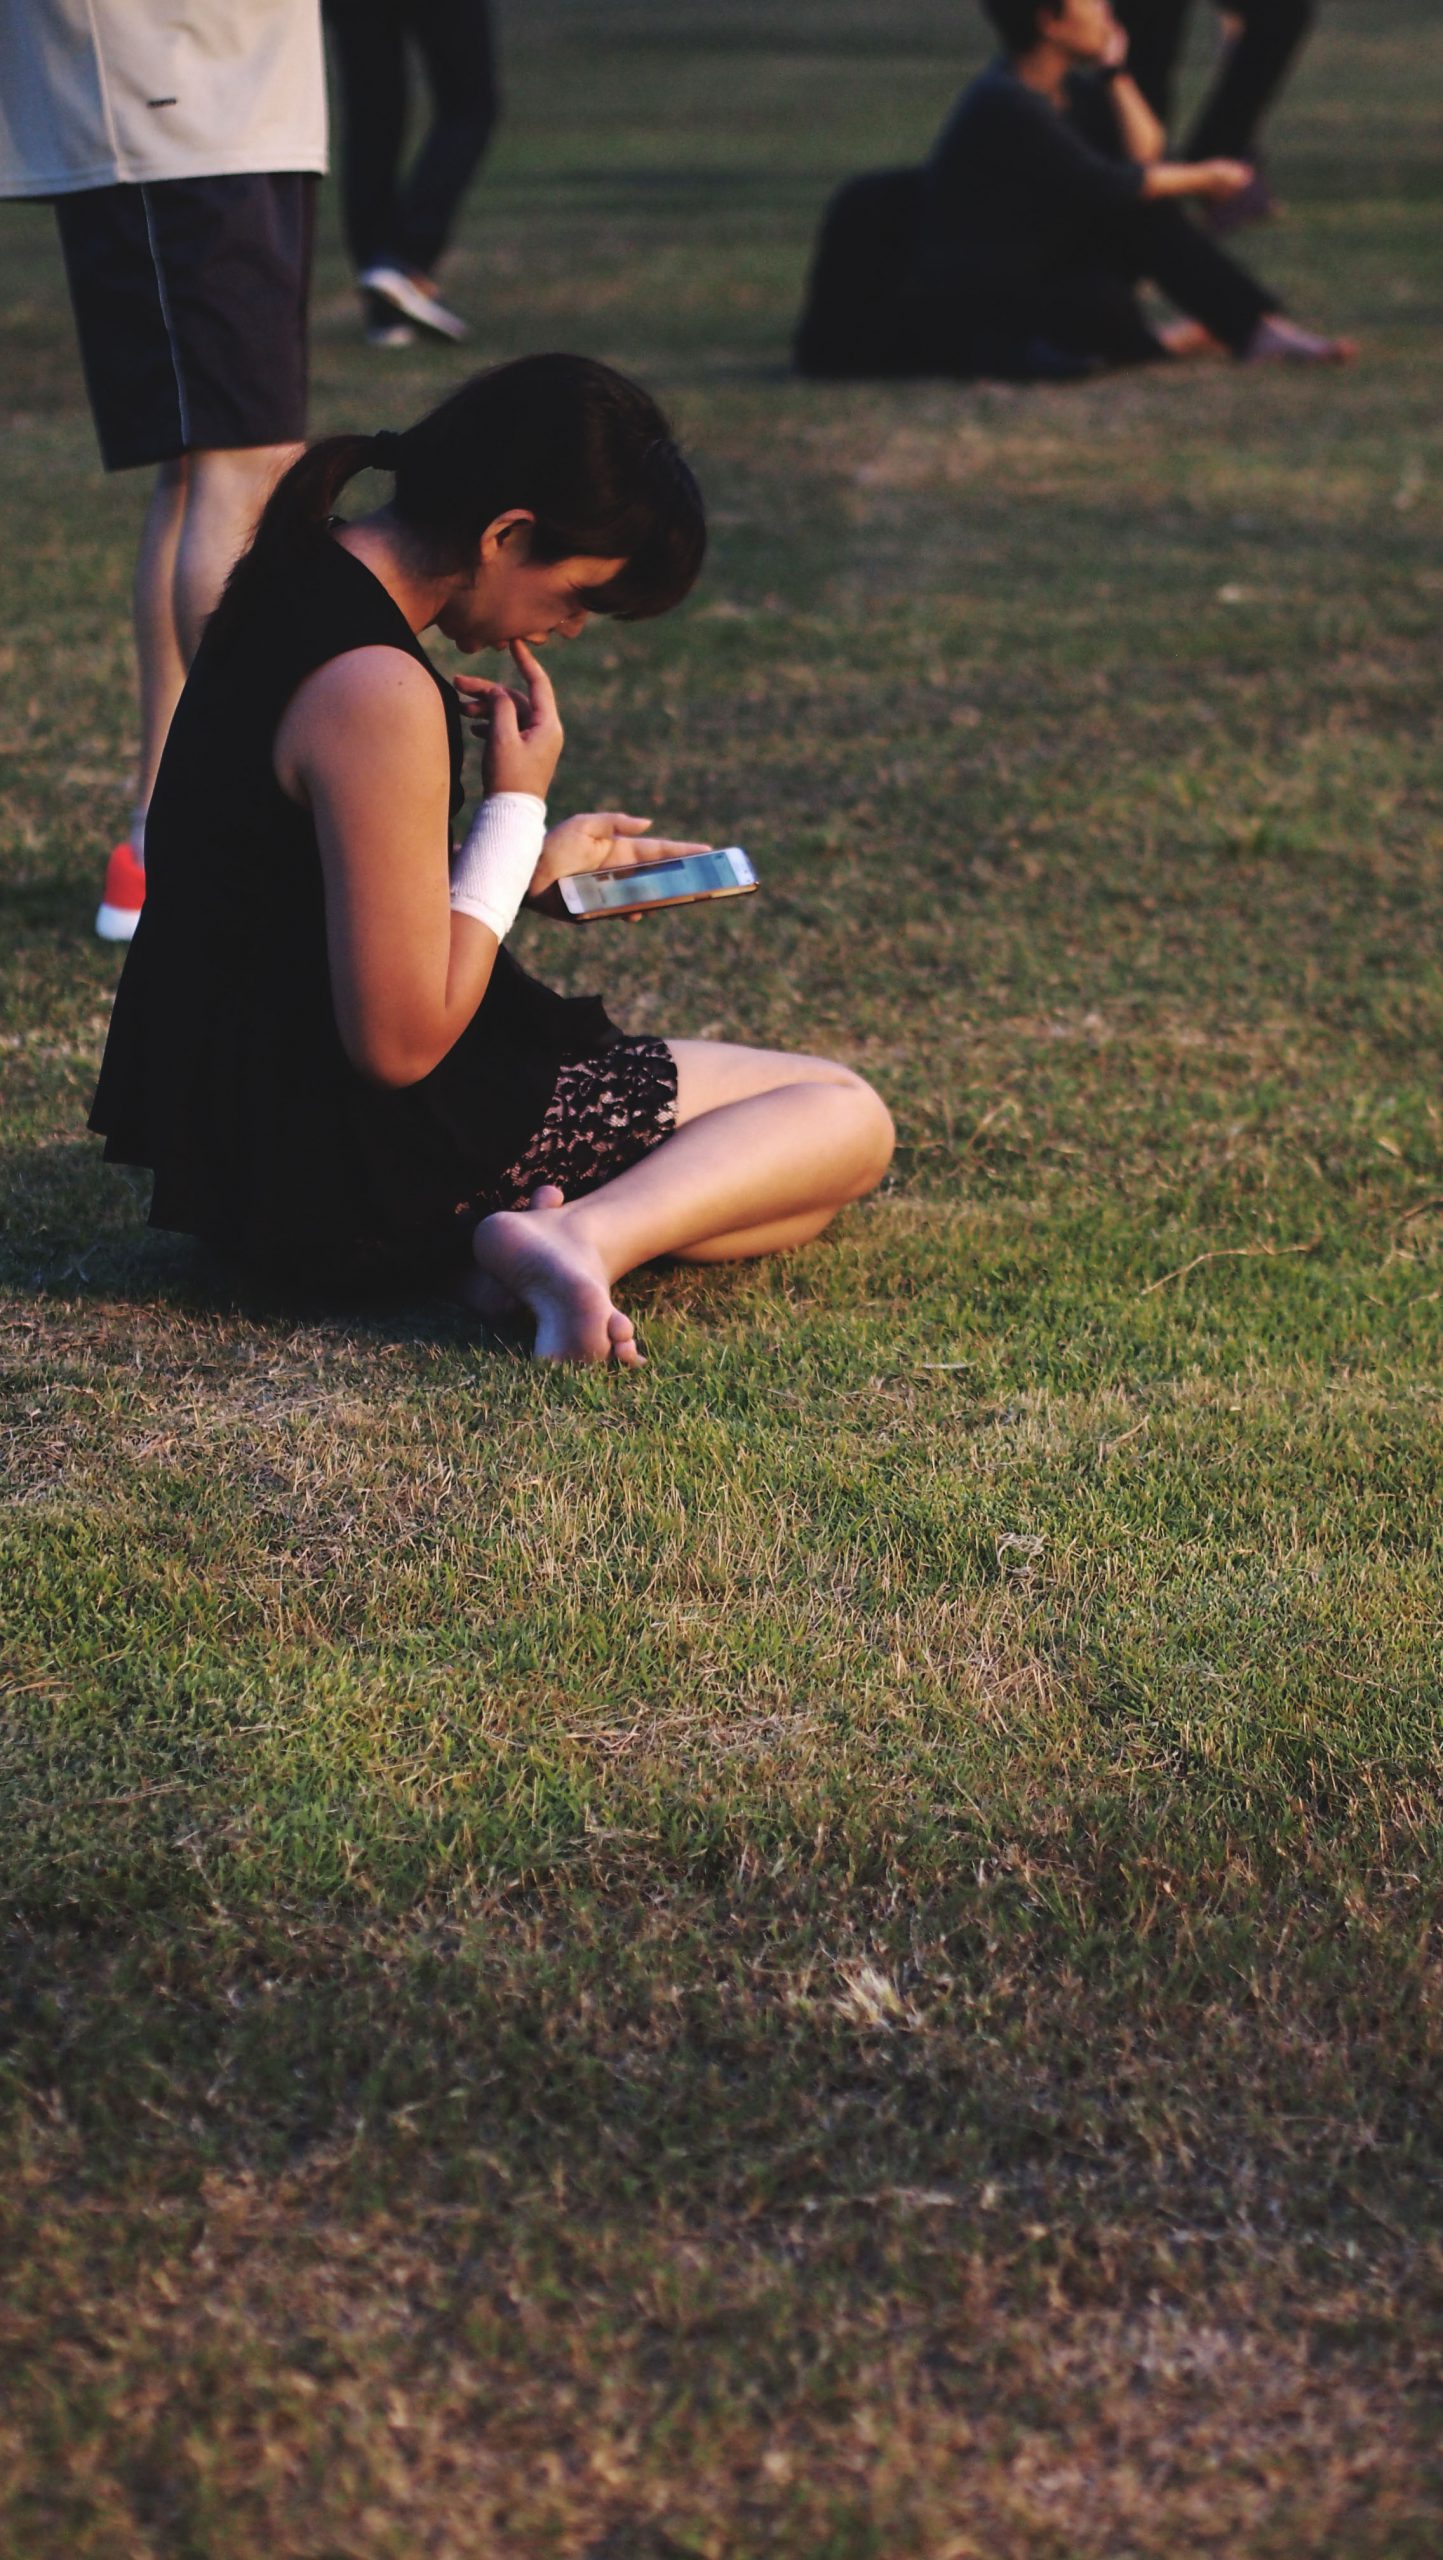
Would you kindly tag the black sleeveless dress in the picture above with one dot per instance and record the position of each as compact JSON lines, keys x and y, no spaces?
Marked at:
{"x":224,"y":1071}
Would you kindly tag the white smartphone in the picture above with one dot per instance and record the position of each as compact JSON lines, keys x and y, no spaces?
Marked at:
{"x":677,"y":882}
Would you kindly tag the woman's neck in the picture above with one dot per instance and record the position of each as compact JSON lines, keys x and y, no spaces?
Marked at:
{"x":376,"y":541}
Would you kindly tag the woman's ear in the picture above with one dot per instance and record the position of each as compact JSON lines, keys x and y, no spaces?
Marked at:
{"x":508,"y":535}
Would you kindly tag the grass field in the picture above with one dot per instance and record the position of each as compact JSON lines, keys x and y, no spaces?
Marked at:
{"x":831,"y":1951}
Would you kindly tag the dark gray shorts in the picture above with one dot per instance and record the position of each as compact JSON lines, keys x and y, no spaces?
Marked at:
{"x":190,"y":299}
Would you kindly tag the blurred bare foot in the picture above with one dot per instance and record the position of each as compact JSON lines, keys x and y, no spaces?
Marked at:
{"x":1277,"y":340}
{"x":1188,"y":338}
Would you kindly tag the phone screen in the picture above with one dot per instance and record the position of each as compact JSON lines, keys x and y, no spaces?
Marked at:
{"x":690,"y":875}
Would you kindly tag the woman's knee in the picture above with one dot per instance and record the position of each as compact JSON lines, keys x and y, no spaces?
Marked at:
{"x":871,"y":1131}
{"x":876,"y":1132}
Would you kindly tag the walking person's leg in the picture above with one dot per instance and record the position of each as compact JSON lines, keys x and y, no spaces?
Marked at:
{"x":767,"y":1148}
{"x":458,"y":56}
{"x":1254,"y":68}
{"x":453,"y":38}
{"x":369,"y":47}
{"x":1156,"y":30}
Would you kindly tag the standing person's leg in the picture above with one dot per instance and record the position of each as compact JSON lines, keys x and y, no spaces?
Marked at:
{"x":766,"y":1150}
{"x":1155,"y":33}
{"x":190,"y":299}
{"x":201,"y":514}
{"x":225,"y":492}
{"x":1254,"y":68}
{"x":160,"y":674}
{"x":160,"y":661}
{"x":459,"y":58}
{"x":233,"y":258}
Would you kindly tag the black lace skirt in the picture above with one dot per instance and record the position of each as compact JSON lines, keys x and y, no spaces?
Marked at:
{"x":607,"y":1112}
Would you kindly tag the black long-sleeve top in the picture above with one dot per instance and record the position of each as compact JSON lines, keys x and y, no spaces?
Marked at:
{"x":1013,"y":179}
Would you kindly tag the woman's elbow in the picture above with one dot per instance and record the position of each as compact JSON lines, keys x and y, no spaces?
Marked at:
{"x":390,"y":1062}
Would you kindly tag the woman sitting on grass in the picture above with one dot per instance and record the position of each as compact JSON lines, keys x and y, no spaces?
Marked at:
{"x":320,"y":1046}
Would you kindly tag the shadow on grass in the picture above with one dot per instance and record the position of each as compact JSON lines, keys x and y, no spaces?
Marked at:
{"x":677,"y":2046}
{"x":70,"y":1231}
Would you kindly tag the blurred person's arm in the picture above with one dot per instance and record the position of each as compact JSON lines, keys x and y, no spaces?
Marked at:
{"x":1139,"y":130}
{"x":1142,"y":134}
{"x":1214,"y":180}
{"x":1144,"y":140}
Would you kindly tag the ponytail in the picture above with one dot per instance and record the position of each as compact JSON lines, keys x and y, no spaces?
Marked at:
{"x":585,"y":450}
{"x":302,"y":504}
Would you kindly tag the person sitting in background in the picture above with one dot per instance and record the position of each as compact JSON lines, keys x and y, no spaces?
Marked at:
{"x":397,"y":229}
{"x":1260,"y":41}
{"x":1048,"y":201}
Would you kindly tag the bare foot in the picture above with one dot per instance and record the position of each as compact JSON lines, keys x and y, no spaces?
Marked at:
{"x":1279,"y":341}
{"x":482,"y":1296}
{"x":536,"y":1256}
{"x":1186,"y":338}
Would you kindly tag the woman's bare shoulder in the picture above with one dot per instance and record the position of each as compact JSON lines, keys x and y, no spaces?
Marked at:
{"x":365,"y":681}
{"x":376,"y":704}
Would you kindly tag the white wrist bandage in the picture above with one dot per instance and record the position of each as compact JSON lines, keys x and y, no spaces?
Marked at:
{"x":493,"y":869}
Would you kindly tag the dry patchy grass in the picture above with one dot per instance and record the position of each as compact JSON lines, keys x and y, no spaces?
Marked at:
{"x":832,"y":1950}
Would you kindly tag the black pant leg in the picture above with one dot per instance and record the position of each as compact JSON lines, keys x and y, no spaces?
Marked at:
{"x":370,"y":58}
{"x":1251,"y":76}
{"x":1087,"y":304}
{"x":453,"y":38}
{"x":1159,"y":241}
{"x":1092,"y":309}
{"x":1155,"y":33}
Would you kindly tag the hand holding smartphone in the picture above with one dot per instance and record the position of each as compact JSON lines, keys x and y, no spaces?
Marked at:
{"x":678,"y":880}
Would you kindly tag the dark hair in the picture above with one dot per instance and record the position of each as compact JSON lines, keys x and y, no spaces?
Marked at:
{"x":1016,"y":20}
{"x":588,"y":452}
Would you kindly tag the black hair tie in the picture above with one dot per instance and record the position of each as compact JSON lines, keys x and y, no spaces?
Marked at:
{"x":386,"y":449}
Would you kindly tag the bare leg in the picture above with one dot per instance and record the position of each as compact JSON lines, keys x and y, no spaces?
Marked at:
{"x":159,"y":664}
{"x":767,"y":1149}
{"x":201,"y":515}
{"x":749,"y":1244}
{"x":225,"y":494}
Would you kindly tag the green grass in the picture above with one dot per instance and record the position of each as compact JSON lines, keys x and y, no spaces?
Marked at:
{"x":830,"y":1951}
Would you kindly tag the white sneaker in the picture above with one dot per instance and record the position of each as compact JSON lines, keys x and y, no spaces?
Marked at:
{"x":385,"y":328}
{"x":405,"y":294}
